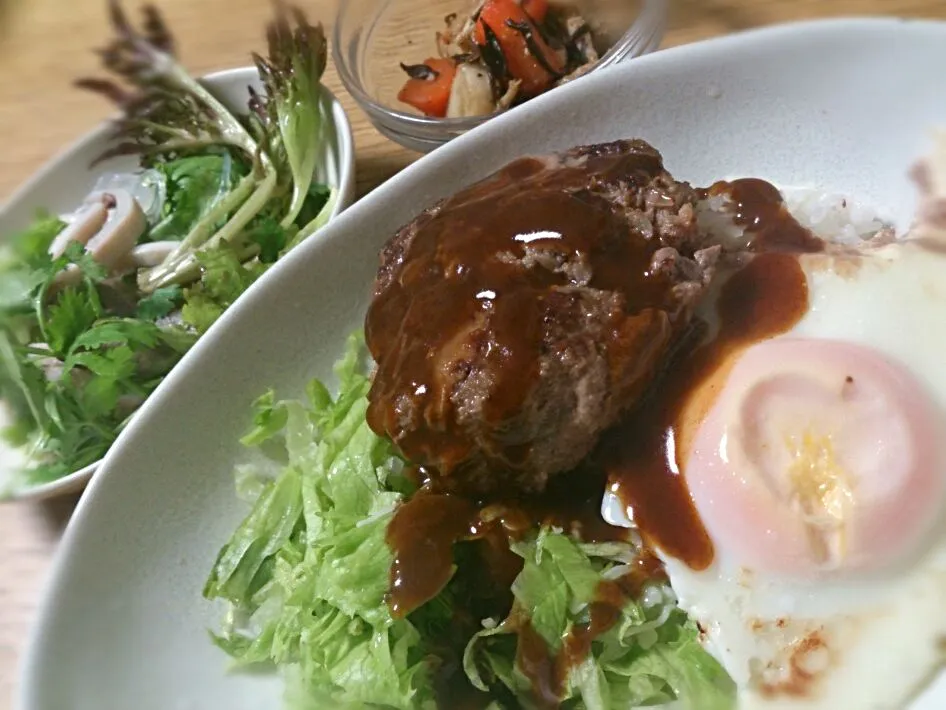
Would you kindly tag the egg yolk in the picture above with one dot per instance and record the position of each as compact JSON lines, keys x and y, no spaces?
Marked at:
{"x":817,"y":457}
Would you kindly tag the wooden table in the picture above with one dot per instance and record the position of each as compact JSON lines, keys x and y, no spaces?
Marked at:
{"x":45,"y":44}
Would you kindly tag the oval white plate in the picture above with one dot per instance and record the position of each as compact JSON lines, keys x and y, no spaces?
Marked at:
{"x":62,"y":183}
{"x":123,"y":624}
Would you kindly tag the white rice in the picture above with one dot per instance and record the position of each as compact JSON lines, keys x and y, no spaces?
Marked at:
{"x":832,"y":217}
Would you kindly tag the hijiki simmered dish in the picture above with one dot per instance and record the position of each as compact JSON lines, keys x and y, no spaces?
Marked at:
{"x":620,"y":442}
{"x":502,"y":53}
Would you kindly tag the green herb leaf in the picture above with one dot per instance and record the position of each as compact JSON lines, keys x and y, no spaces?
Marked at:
{"x":76,"y":254}
{"x":30,"y":248}
{"x":73,"y":313}
{"x":99,"y":395}
{"x":269,"y":236}
{"x":119,"y":332}
{"x":22,"y":387}
{"x":115,"y":363}
{"x":223,"y":280}
{"x":194,"y":186}
{"x":160,"y":303}
{"x":318,"y":197}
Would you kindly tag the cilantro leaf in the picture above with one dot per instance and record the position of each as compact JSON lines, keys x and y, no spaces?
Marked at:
{"x":201,"y":311}
{"x":194,"y":185}
{"x":159,"y":304}
{"x":21,"y":386}
{"x":25,"y":262}
{"x":116,"y":363}
{"x":317,"y":198}
{"x":30,"y":248}
{"x":119,"y":331}
{"x":270,"y":236}
{"x":73,"y":313}
{"x":99,"y":395}
{"x":76,"y":254}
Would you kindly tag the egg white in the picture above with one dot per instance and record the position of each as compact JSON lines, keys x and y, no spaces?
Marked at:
{"x":858,"y":644}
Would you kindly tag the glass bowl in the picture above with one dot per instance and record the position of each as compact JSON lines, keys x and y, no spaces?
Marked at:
{"x":372,"y":37}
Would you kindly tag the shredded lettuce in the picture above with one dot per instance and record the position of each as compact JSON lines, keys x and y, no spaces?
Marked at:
{"x":651,"y":656}
{"x":306,"y":574}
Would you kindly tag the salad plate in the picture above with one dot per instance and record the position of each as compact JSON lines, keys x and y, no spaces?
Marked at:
{"x":843,"y":105}
{"x":65,"y":181}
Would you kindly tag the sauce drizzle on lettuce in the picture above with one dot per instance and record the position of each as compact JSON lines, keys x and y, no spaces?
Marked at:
{"x":306,"y":579}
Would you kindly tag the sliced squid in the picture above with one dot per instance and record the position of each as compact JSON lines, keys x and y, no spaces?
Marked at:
{"x":109,"y":225}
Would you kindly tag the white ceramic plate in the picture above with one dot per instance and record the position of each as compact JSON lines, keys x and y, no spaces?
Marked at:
{"x":123,"y":625}
{"x":63,"y":183}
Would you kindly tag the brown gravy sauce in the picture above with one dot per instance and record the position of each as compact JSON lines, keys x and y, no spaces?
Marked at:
{"x":761,"y":300}
{"x":425,"y":528}
{"x":638,"y":457}
{"x":758,"y":207}
{"x":422,"y":534}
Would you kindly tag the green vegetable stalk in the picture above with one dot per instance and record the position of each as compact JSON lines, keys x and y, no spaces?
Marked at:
{"x":294,"y":107}
{"x":169,"y":115}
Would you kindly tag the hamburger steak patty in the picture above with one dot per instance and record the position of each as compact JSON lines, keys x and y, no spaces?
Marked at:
{"x":513,"y":322}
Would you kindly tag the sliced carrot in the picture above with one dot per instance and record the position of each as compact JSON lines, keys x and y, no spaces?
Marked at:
{"x":536,"y":9}
{"x":505,"y":18}
{"x":432,"y":95}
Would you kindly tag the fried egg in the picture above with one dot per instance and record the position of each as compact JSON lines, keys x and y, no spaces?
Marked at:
{"x":817,"y":463}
